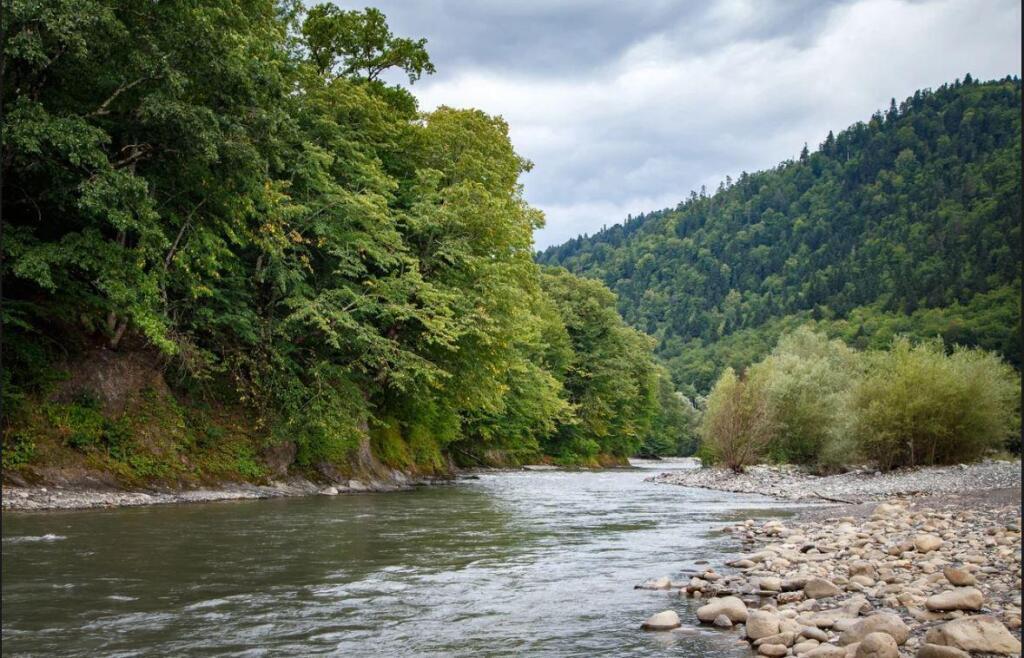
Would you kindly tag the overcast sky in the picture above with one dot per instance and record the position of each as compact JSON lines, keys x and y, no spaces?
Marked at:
{"x":624,"y":107}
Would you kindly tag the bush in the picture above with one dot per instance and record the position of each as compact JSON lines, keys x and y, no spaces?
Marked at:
{"x":18,"y":450}
{"x":807,"y":378}
{"x":918,"y":405}
{"x":738,"y":425}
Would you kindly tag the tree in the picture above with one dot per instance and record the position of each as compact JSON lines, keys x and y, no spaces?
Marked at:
{"x":359,"y":44}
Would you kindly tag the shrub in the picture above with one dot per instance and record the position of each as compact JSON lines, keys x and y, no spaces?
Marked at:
{"x":918,"y":405}
{"x":807,"y":378}
{"x":18,"y":450}
{"x":738,"y":425}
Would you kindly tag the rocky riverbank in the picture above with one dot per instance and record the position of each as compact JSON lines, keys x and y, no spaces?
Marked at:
{"x":855,"y":486}
{"x":61,"y":497}
{"x":911,"y":578}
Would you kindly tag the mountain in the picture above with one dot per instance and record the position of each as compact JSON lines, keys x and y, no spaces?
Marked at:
{"x":907,"y":223}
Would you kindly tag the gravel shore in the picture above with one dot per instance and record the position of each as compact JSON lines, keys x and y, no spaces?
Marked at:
{"x":56,"y":497}
{"x":857,"y":486}
{"x":932,"y":571}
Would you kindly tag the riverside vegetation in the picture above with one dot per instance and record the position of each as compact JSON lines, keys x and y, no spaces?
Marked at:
{"x":232,"y":251}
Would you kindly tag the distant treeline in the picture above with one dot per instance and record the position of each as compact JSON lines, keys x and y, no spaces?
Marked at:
{"x":907,"y":224}
{"x":231,"y":187}
{"x":816,"y":402}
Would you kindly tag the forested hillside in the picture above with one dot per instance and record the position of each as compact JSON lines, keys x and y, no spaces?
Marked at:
{"x":908,"y":223}
{"x":230,"y":248}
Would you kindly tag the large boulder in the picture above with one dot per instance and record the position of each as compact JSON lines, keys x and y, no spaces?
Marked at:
{"x":665,"y":620}
{"x":880,"y":622}
{"x":761,"y":623}
{"x":731,"y":606}
{"x":877,"y":645}
{"x":980,"y":633}
{"x":961,"y":598}
{"x":819,"y":588}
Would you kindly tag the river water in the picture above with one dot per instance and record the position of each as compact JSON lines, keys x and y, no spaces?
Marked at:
{"x":524,"y":563}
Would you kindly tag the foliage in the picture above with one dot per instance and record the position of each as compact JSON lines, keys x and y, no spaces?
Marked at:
{"x":818,"y":403}
{"x":918,"y":405}
{"x":231,"y":186}
{"x":674,"y":428}
{"x":739,"y":424}
{"x":807,"y":379}
{"x":906,"y":224}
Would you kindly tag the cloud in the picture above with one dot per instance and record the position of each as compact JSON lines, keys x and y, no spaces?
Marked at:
{"x":626,"y":107}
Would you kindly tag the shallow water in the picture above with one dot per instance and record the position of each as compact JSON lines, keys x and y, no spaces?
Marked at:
{"x":531,"y":563}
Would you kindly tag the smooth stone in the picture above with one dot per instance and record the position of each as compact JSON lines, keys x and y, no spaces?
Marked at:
{"x":656,"y":583}
{"x":665,"y":620}
{"x":819,"y":588}
{"x":959,"y":577}
{"x":731,"y":606}
{"x":329,"y":491}
{"x":961,"y":598}
{"x":881,"y":622}
{"x":878,"y":645}
{"x":722,"y":621}
{"x":939,"y":651}
{"x":804,"y":647}
{"x":826,"y":651}
{"x":814,"y":633}
{"x":979,"y":633}
{"x":927,"y":543}
{"x":776,"y":650}
{"x":761,"y":623}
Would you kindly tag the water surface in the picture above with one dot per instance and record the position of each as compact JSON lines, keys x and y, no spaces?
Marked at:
{"x":531,"y":563}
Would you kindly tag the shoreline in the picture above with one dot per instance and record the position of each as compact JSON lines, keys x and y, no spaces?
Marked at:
{"x":54,"y":497}
{"x":857,"y":486}
{"x":937,"y":572}
{"x":79,"y":495}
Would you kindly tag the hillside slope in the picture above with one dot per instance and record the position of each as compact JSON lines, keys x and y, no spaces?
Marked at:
{"x":908,"y":223}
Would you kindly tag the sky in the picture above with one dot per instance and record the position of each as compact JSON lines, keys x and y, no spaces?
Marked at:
{"x":625,"y":107}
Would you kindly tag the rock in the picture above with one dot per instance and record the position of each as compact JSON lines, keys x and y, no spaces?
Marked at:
{"x":656,"y":583}
{"x":819,"y":588}
{"x":863,"y":569}
{"x":979,"y":633}
{"x":804,"y":647}
{"x":880,"y":622}
{"x":877,"y":645}
{"x":665,"y":620}
{"x":761,"y":623}
{"x":723,"y":621}
{"x":959,"y":577}
{"x":961,"y":598}
{"x":329,"y":491}
{"x":885,"y":510}
{"x":814,"y":633}
{"x":790,"y":597}
{"x":777,"y":650}
{"x":730,"y":606}
{"x":927,"y":543}
{"x":863,"y":580}
{"x":939,"y":651}
{"x":770,"y":583}
{"x":826,"y":651}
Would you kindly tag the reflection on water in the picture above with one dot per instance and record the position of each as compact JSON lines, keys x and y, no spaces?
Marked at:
{"x":532,"y":563}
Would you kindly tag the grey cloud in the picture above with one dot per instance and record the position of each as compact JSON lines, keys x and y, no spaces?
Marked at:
{"x":625,"y":107}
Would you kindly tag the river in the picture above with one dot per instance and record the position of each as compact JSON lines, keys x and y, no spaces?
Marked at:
{"x":521,"y":563}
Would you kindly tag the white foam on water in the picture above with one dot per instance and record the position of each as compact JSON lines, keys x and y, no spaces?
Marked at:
{"x":31,"y":538}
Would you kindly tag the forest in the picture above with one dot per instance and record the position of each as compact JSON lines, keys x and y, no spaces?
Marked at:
{"x":227,"y":241}
{"x":907,"y":224}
